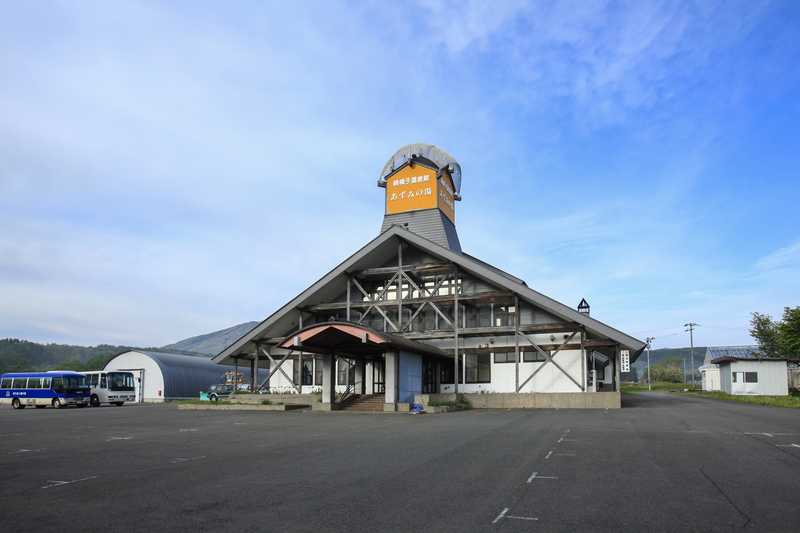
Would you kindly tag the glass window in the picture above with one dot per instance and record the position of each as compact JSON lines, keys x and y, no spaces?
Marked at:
{"x":34,"y":383}
{"x":45,"y":383}
{"x":446,"y":371}
{"x":343,"y":369}
{"x":5,"y":383}
{"x":94,"y":379}
{"x":479,"y":368}
{"x":734,"y":376}
{"x":103,"y":382}
{"x":120,"y":381}
{"x":318,"y":371}
{"x":751,"y":377}
{"x":58,"y":384}
{"x":308,"y":371}
{"x":532,"y":355}
{"x":20,"y":383}
{"x":504,"y":357}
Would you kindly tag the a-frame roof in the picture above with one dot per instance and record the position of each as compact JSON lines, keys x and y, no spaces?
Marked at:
{"x":465,"y":262}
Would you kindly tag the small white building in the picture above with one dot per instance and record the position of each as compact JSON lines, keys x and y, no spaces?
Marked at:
{"x":760,"y":377}
{"x":709,"y":372}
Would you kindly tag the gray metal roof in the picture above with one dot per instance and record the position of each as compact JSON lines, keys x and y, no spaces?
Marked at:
{"x":186,"y":375}
{"x":430,"y":223}
{"x":429,"y":151}
{"x":738,"y":352}
{"x":469,"y":264}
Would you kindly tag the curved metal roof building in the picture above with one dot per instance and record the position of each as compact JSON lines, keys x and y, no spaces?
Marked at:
{"x":165,"y":376}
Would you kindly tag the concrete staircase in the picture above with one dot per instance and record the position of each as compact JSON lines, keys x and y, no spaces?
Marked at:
{"x":365,"y":402}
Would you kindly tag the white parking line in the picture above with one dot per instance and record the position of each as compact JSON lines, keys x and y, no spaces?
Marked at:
{"x":568,"y":454}
{"x":536,"y":475}
{"x":185,"y":430}
{"x":548,"y":454}
{"x":512,"y":517}
{"x":24,"y":450}
{"x":500,"y":516}
{"x":770,"y":435}
{"x":118,"y":438}
{"x":792,"y":445}
{"x":56,"y":483}
{"x":178,"y":460}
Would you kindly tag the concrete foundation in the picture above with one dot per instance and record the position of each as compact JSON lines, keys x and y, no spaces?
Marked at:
{"x":555,"y":400}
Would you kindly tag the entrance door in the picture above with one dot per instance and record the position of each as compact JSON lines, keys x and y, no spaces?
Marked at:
{"x":737,"y":383}
{"x":378,"y":381}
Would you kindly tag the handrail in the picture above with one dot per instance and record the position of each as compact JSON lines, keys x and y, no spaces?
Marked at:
{"x":346,"y":394}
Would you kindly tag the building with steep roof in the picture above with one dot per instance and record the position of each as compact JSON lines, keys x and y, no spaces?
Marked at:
{"x":410,"y":314}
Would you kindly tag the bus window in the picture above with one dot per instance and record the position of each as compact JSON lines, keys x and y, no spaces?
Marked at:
{"x":93,"y":379}
{"x":5,"y":383}
{"x":58,"y":384}
{"x":34,"y":383}
{"x":20,"y":383}
{"x":103,"y":382}
{"x":45,"y":383}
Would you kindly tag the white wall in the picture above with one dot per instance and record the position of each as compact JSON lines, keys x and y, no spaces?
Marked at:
{"x":772,"y":378}
{"x":549,"y":379}
{"x":151,"y":377}
{"x":711,"y":378}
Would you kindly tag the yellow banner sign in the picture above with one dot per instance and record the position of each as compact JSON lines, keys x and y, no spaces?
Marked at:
{"x":447,"y":197}
{"x":410,"y":189}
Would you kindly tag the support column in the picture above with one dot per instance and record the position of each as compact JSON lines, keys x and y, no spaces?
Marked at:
{"x":454,"y":288}
{"x":360,"y":377}
{"x":390,"y":377}
{"x":255,"y":368}
{"x":253,"y":373}
{"x":369,"y":372}
{"x":516,"y":343}
{"x":583,"y":361}
{"x":328,"y":377}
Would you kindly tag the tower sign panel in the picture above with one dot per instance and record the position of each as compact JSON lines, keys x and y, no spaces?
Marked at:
{"x":447,"y":197}
{"x":411,"y":188}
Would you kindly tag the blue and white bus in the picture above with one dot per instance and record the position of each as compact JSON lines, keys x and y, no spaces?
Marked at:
{"x":57,"y":388}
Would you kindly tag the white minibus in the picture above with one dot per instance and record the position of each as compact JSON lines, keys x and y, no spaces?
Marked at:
{"x":110,"y":387}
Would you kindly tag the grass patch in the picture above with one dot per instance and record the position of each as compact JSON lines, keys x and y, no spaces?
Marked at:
{"x":791,"y":401}
{"x":657,"y":386}
{"x":457,"y":404}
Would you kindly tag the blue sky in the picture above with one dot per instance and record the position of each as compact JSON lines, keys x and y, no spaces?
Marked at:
{"x":171,"y":169}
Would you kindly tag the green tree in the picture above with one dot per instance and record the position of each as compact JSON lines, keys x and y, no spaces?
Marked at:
{"x":777,"y":338}
{"x":765,"y":332}
{"x":669,"y":370}
{"x":789,"y":332}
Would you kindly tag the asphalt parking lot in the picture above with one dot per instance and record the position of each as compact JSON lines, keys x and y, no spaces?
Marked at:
{"x":663,"y":463}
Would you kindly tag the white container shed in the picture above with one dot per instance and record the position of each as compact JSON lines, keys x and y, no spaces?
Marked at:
{"x":760,"y":377}
{"x":160,"y":376}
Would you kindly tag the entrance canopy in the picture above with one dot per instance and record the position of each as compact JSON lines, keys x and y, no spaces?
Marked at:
{"x":354,"y":340}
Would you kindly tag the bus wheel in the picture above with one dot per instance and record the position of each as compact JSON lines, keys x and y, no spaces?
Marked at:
{"x":94,"y":401}
{"x":16,"y":404}
{"x":57,"y":403}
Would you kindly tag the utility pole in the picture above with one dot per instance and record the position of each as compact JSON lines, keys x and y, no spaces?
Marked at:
{"x":649,"y":340}
{"x":690,"y":328}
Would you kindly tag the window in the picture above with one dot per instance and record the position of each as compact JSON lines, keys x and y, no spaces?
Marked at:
{"x":103,"y":382}
{"x":45,"y":383}
{"x":751,"y":377}
{"x":58,"y":384}
{"x":93,"y":379}
{"x":446,"y":372}
{"x":532,"y":356}
{"x":5,"y":383}
{"x":504,"y":357}
{"x":20,"y":383}
{"x":34,"y":383}
{"x":308,"y":371}
{"x":479,"y":368}
{"x":318,"y":371}
{"x":344,"y":372}
{"x":734,"y":376}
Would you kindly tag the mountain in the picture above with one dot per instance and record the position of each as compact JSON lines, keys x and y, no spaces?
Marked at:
{"x":18,"y":355}
{"x":211,"y":344}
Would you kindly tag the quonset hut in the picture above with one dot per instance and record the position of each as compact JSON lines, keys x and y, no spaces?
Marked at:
{"x":160,"y":376}
{"x":410,"y":313}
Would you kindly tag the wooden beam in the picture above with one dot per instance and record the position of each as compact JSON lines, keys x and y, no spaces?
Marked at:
{"x":549,"y":359}
{"x":278,"y":368}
